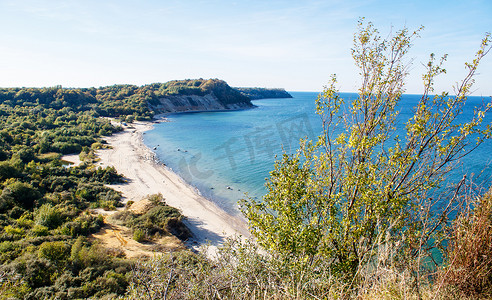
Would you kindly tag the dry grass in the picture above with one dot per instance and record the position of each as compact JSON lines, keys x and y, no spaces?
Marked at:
{"x":469,"y":268}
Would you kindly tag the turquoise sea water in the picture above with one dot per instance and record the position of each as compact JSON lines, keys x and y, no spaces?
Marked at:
{"x":228,"y":154}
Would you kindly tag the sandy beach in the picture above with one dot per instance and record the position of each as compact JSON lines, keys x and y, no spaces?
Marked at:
{"x":145,"y":175}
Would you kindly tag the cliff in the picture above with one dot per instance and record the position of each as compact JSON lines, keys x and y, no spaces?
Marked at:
{"x":181,"y":103}
{"x":263,"y":93}
{"x":196,"y":95}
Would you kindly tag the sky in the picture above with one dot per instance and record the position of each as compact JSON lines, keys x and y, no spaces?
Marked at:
{"x":295,"y":45}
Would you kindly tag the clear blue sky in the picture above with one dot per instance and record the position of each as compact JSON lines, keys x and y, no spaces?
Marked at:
{"x":291,"y":44}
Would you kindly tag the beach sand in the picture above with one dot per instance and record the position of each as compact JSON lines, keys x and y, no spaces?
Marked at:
{"x":145,"y":175}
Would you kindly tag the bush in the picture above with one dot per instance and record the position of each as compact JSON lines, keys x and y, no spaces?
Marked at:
{"x":22,"y":194}
{"x":94,"y":256}
{"x":108,"y":205}
{"x":7,"y":170}
{"x":12,"y":286}
{"x":16,"y":212}
{"x":39,"y":230}
{"x":139,"y":235}
{"x":96,"y":146}
{"x":156,"y":199}
{"x":16,"y":232}
{"x":9,"y":251}
{"x":239,"y":271}
{"x":56,"y":252}
{"x":48,"y":216}
{"x":176,"y":227}
{"x":82,"y":225}
{"x":36,"y":272}
{"x":161,"y":218}
{"x":361,"y":186}
{"x":25,"y":221}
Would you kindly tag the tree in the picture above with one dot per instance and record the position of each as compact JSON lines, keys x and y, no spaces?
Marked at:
{"x":21,"y":194}
{"x":360,"y":195}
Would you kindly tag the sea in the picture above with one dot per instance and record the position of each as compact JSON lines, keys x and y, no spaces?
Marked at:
{"x":228,"y":155}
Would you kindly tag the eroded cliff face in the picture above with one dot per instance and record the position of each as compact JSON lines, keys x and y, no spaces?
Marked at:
{"x":183,"y":103}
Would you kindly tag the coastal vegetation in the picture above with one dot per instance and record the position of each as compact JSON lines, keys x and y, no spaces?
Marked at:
{"x":263,"y":93}
{"x":156,"y":219}
{"x":361,"y":188}
{"x":47,"y":207}
{"x":201,"y":87}
{"x":361,"y":214}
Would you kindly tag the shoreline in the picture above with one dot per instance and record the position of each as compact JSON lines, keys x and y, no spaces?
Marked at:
{"x":145,"y":175}
{"x":161,"y":116}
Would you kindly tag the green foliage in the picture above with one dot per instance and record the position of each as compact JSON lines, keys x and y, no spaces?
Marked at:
{"x":83,"y":224}
{"x":156,"y":199}
{"x":42,"y":202}
{"x":263,"y":93}
{"x":14,"y":232}
{"x":361,"y":196}
{"x":139,"y":235}
{"x":25,"y":221}
{"x":8,"y":170}
{"x":20,"y":193}
{"x":39,"y":230}
{"x":11,"y":286}
{"x":48,"y":216}
{"x":56,"y":252}
{"x":158,"y":219}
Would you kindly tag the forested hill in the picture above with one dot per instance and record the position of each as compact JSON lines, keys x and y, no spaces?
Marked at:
{"x":47,"y":210}
{"x":263,"y":93}
{"x":129,"y":102}
{"x":197,"y":95}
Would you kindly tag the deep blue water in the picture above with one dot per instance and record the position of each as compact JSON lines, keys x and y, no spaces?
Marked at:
{"x":236,"y":149}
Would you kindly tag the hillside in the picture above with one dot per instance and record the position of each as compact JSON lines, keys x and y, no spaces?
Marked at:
{"x":131,"y":102}
{"x":197,"y":95}
{"x":53,"y":241}
{"x":263,"y":93}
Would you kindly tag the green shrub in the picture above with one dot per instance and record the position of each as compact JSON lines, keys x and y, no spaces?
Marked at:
{"x":36,"y":272}
{"x":39,"y":230}
{"x":14,"y":231}
{"x":25,"y":221}
{"x":96,"y":146}
{"x":56,"y":252}
{"x":9,"y":251}
{"x":16,"y":212}
{"x":6,"y":246}
{"x":75,"y":250}
{"x":22,"y":194}
{"x":94,"y":256}
{"x":139,"y":235}
{"x":82,"y":225}
{"x":156,"y":199}
{"x":108,"y":205}
{"x":8,"y":170}
{"x":48,"y":216}
{"x":175,"y":226}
